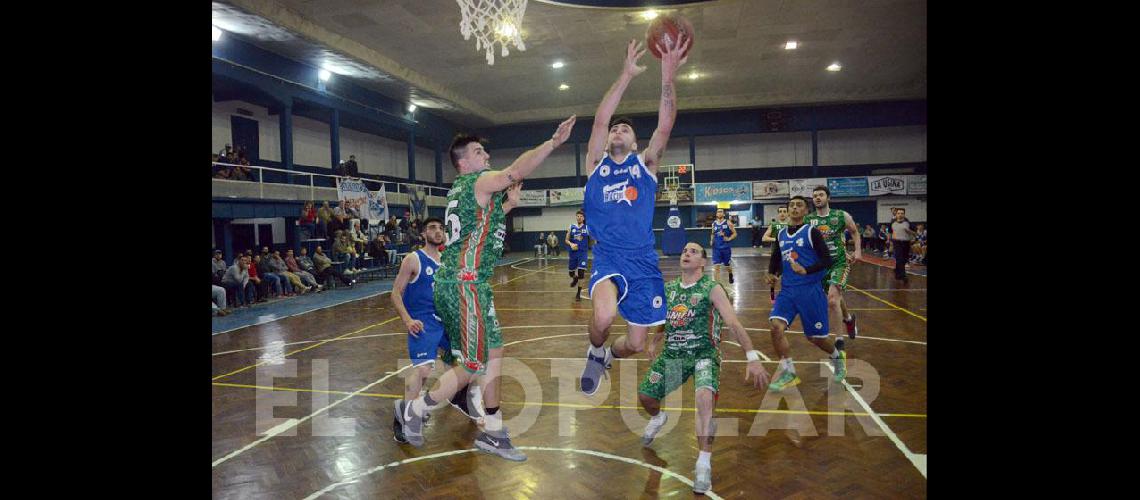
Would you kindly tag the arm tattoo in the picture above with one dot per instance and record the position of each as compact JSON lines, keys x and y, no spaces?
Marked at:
{"x":511,"y":177}
{"x":667,"y":95}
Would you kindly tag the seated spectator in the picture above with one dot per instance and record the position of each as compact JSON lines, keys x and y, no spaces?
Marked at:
{"x":343,"y":250}
{"x":219,"y":267}
{"x":390,"y":228}
{"x":918,"y":248}
{"x":339,"y":221}
{"x":241,"y":172}
{"x":238,"y":282}
{"x":324,"y":268}
{"x":405,"y":221}
{"x":324,"y":217}
{"x":226,"y":155}
{"x":309,"y":221}
{"x":305,"y":263}
{"x":378,"y":250}
{"x":306,"y":277}
{"x":357,"y":237}
{"x":219,"y":301}
{"x":277,"y":265}
{"x":270,"y":285}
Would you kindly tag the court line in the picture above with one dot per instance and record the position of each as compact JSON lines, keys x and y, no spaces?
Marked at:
{"x":738,"y":309}
{"x":886,"y":302}
{"x":738,"y":289}
{"x":891,"y":267}
{"x":919,"y":463}
{"x":856,"y":338}
{"x":587,"y":406}
{"x":664,"y":472}
{"x":293,"y":422}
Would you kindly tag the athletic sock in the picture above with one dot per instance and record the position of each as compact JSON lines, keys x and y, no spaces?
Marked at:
{"x":787,"y":365}
{"x":705,"y":458}
{"x":493,"y":422}
{"x":598,"y":351}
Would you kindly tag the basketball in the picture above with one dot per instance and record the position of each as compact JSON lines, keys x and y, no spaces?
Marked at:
{"x":665,"y":29}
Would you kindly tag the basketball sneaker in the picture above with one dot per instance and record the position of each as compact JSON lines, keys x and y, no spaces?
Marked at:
{"x":652,"y":428}
{"x":703,"y":481}
{"x":852,"y":328}
{"x":398,"y":431}
{"x":785,"y":380}
{"x":595,"y":368}
{"x":499,"y":443}
{"x":411,"y":425}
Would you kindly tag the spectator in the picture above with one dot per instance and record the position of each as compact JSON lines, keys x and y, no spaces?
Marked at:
{"x":324,"y":218}
{"x":219,"y":301}
{"x":241,"y":172}
{"x":918,"y":249}
{"x":309,"y":221}
{"x":884,"y":234}
{"x":868,"y":238}
{"x":306,"y":277}
{"x":325,"y":268}
{"x":757,"y":235}
{"x":390,"y":229}
{"x":552,"y":242}
{"x":405,"y":221}
{"x":269,"y":284}
{"x":343,"y":250}
{"x":306,"y":264}
{"x":378,"y":250}
{"x":226,"y":155}
{"x":220,"y":171}
{"x":277,"y":265}
{"x":267,"y":267}
{"x":339,"y":220}
{"x":350,"y":167}
{"x":357,"y":237}
{"x":238,"y":282}
{"x":219,"y":267}
{"x":540,"y":246}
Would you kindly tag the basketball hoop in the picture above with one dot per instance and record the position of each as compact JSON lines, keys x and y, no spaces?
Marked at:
{"x":493,"y":22}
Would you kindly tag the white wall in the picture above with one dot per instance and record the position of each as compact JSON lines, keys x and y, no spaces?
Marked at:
{"x":915,"y":209}
{"x":556,"y":219}
{"x":720,"y":152}
{"x":268,"y":128}
{"x":311,"y":143}
{"x":425,"y":165}
{"x":374,"y":154}
{"x":872,"y":145}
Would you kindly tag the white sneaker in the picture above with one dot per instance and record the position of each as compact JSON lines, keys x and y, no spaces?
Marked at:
{"x":652,"y":429}
{"x":703,"y":482}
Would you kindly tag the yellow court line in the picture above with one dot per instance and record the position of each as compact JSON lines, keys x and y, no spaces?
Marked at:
{"x":235,"y":372}
{"x":886,"y":302}
{"x":323,"y":342}
{"x":577,"y":405}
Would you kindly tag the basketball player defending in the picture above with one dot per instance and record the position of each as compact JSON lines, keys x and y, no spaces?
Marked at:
{"x":412,"y":299}
{"x":698,"y":308}
{"x":770,"y":237}
{"x":475,"y":232}
{"x":621,"y":191}
{"x":831,"y":224}
{"x":802,"y":262}
{"x":578,"y":239}
{"x":722,"y":233}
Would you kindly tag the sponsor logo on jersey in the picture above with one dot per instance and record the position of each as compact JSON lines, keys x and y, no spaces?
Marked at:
{"x":604,"y":170}
{"x":799,"y":242}
{"x":429,"y":271}
{"x":678,"y":316}
{"x":656,"y":301}
{"x":702,"y":364}
{"x":617,"y":193}
{"x":694,"y":300}
{"x":654,"y":377}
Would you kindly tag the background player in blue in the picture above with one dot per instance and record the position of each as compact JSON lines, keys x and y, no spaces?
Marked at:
{"x":578,"y":240}
{"x":722,"y":233}
{"x":412,"y":297}
{"x":802,"y":262}
{"x":620,"y":193}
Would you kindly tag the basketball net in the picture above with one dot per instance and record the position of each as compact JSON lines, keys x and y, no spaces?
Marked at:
{"x":493,"y":22}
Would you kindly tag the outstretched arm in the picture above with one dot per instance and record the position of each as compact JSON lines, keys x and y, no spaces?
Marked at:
{"x":724,"y":307}
{"x":667,"y":114}
{"x":526,"y":163}
{"x":601,"y":130}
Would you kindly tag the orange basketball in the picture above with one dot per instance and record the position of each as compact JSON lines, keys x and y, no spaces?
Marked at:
{"x":665,"y":29}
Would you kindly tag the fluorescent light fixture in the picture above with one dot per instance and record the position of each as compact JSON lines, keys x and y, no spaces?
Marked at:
{"x":649,"y":15}
{"x":557,"y":64}
{"x":411,"y":108}
{"x":324,"y":75}
{"x":834,"y":67}
{"x":217,"y":33}
{"x":563,"y":87}
{"x":791,"y":45}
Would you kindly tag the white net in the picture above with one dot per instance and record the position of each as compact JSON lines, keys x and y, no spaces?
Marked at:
{"x":493,"y":22}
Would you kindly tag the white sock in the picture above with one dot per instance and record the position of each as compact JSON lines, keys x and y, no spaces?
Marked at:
{"x":705,"y":458}
{"x":787,"y":365}
{"x":657,"y":419}
{"x":493,"y":423}
{"x":598,"y":351}
{"x":834,"y":354}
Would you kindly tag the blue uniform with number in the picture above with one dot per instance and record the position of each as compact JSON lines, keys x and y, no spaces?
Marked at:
{"x":580,"y":235}
{"x":419,"y":302}
{"x":722,"y":250}
{"x":619,"y":204}
{"x":801,"y":294}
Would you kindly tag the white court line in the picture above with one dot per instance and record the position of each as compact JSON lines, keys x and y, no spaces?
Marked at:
{"x":295,"y":422}
{"x":664,"y":472}
{"x":833,"y":335}
{"x":766,"y":360}
{"x":919,"y":460}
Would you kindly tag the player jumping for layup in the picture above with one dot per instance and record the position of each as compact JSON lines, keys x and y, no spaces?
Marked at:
{"x":620,"y":193}
{"x":475,"y":232}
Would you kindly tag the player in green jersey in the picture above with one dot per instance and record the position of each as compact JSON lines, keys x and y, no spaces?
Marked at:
{"x":770,"y":237}
{"x":832,"y":222}
{"x":475,"y":232}
{"x":697,"y":308}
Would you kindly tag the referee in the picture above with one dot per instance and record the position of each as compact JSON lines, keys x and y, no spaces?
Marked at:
{"x":902,"y":235}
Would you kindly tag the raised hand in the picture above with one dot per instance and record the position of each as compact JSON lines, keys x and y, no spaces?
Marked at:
{"x":633,"y":52}
{"x":563,"y":131}
{"x":671,"y":56}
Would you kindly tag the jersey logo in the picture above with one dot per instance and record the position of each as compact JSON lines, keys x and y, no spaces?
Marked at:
{"x":818,"y":324}
{"x":619,"y":192}
{"x":654,"y":377}
{"x":799,"y":242}
{"x":702,"y":364}
{"x":694,"y":300}
{"x":604,"y":170}
{"x":430,"y":271}
{"x":657,"y":302}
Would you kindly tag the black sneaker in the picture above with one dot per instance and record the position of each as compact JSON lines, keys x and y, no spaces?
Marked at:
{"x":731,"y":280}
{"x":840,"y":344}
{"x":398,"y":431}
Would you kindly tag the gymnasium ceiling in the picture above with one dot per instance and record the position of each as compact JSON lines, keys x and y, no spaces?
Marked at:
{"x":411,"y":50}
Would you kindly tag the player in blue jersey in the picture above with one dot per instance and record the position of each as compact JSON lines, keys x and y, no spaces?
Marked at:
{"x":723,"y":232}
{"x":412,"y":297}
{"x":621,"y":191}
{"x":578,"y":240}
{"x":802,"y":263}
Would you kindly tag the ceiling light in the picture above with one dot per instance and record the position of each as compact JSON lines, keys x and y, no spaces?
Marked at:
{"x":557,"y":64}
{"x":791,"y":45}
{"x":834,"y":67}
{"x":411,"y":108}
{"x":324,"y":75}
{"x":563,"y":87}
{"x":649,"y":15}
{"x":217,"y":34}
